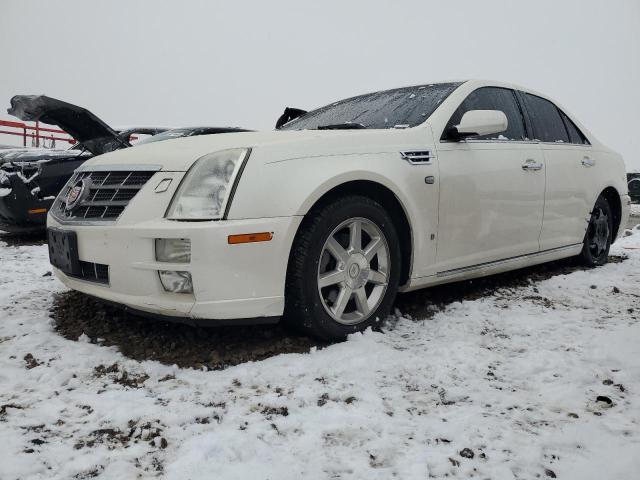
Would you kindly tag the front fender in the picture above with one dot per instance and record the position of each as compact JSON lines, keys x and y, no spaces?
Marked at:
{"x":292,"y":187}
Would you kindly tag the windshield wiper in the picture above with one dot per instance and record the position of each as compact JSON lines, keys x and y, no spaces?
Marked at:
{"x":341,"y":126}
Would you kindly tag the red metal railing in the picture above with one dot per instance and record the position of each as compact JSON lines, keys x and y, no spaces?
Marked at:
{"x":36,"y":132}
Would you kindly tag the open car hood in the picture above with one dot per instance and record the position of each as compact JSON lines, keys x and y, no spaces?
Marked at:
{"x":95,"y":135}
{"x":39,"y":154}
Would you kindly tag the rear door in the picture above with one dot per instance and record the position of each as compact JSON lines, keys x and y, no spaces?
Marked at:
{"x":491,"y":188}
{"x":571,"y":169}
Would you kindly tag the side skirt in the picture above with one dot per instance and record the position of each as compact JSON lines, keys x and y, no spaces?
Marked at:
{"x":490,"y":268}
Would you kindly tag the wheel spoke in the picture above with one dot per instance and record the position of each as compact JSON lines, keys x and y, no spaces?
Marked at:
{"x":337,"y":250}
{"x":377,"y":278}
{"x":331,"y":278}
{"x":372,"y":248}
{"x":355,"y":236}
{"x":341,"y":302}
{"x":361,"y":301}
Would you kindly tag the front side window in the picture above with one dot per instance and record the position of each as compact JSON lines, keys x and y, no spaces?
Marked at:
{"x":547,"y":122}
{"x":493,"y":98}
{"x":397,"y":108}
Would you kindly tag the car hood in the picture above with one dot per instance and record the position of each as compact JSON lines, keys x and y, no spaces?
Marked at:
{"x":180,"y":154}
{"x":31,"y":155}
{"x":95,"y":135}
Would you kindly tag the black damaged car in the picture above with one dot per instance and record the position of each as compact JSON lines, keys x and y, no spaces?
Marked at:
{"x":30,"y":179}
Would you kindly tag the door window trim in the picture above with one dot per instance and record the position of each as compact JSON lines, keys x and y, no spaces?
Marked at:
{"x":528,"y":123}
{"x":525,"y":122}
{"x":520,"y":95}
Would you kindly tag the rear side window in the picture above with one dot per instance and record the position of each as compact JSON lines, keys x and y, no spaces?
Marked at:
{"x":493,"y":98}
{"x":575,"y":135}
{"x":547,"y":122}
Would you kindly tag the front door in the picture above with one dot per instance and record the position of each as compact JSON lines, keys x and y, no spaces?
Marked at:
{"x":491,"y":189}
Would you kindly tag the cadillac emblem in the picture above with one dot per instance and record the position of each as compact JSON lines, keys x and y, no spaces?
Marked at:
{"x":77,"y":193}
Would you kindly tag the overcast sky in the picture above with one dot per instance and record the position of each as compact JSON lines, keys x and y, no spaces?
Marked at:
{"x":240,"y":63}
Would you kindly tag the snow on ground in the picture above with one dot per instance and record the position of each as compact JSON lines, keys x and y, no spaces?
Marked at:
{"x":502,"y":387}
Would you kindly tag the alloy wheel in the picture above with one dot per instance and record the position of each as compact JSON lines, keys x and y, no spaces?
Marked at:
{"x":598,"y":232}
{"x":353,"y":270}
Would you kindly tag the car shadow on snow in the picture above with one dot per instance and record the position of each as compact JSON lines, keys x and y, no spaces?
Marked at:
{"x":23,"y":239}
{"x":75,"y":314}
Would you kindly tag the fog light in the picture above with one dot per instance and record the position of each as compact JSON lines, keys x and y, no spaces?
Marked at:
{"x":176,"y":282}
{"x":174,"y":250}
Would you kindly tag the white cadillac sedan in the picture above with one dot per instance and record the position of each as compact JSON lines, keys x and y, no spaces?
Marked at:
{"x":324,"y":220}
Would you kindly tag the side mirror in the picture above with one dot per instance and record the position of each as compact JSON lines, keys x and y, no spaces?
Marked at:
{"x":288,"y":115}
{"x":479,"y":122}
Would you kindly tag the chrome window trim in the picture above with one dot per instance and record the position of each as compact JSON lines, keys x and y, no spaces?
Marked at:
{"x":528,"y":142}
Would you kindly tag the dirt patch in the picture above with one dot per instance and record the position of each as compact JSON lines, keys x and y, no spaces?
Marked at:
{"x":120,"y":376}
{"x":147,"y":339}
{"x":115,"y":438}
{"x":75,"y":314}
{"x":31,"y":361}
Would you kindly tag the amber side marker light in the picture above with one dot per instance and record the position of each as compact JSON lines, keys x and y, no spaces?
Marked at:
{"x":250,"y":238}
{"x":37,"y":210}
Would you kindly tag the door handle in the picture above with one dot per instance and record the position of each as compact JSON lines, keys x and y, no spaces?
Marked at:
{"x":588,"y":162}
{"x":532,"y":165}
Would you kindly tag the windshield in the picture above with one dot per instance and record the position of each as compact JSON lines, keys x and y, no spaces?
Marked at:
{"x":168,"y":135}
{"x":397,"y":108}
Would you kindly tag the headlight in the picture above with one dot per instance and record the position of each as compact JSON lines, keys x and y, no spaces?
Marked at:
{"x":205,"y":189}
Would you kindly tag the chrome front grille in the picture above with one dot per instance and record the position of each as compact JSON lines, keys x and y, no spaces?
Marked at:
{"x":109,"y":193}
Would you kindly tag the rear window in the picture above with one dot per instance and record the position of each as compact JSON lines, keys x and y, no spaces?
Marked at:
{"x":575,"y":135}
{"x":547,"y":122}
{"x":397,"y":108}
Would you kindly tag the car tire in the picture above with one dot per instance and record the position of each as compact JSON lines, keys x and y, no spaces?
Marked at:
{"x":340,"y":281}
{"x":599,"y":235}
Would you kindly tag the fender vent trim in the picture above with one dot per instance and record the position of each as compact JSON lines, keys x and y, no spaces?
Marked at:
{"x":418,"y":157}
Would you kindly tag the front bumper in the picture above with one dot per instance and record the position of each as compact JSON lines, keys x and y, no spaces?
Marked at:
{"x":243,"y":281}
